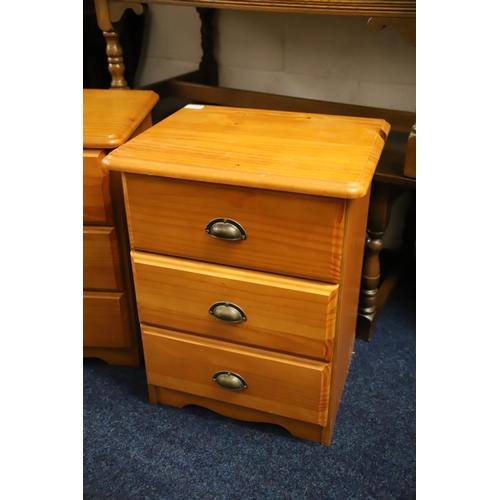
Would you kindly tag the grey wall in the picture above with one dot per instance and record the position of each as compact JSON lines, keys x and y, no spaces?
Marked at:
{"x":333,"y":58}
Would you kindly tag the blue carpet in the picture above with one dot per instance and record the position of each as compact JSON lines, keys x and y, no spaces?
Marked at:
{"x":136,"y":450}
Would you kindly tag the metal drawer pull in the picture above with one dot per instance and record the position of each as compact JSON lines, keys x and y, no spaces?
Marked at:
{"x":225,"y":229}
{"x":227,"y":312}
{"x":230,"y":381}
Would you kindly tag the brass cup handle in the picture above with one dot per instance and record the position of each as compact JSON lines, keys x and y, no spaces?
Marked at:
{"x":230,"y":381}
{"x":227,"y":312}
{"x":226,"y":229}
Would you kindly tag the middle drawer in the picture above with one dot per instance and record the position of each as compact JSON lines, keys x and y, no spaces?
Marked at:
{"x":275,"y":312}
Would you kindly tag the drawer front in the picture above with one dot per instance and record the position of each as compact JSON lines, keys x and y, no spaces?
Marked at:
{"x":271,"y":311}
{"x":101,"y":259}
{"x":96,"y":194}
{"x":296,"y":235}
{"x":105,"y":320}
{"x":280,"y":384}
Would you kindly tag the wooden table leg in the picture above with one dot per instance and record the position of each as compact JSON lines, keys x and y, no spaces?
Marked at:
{"x":209,"y":69}
{"x":382,"y":199}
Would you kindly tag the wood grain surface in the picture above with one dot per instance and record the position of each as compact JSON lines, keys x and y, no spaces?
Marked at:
{"x":284,"y":314}
{"x":390,"y":8}
{"x":111,"y":116}
{"x":290,"y":234}
{"x":101,"y":259}
{"x":96,"y":195}
{"x":277,"y":383}
{"x":307,"y":153}
{"x":105,"y":320}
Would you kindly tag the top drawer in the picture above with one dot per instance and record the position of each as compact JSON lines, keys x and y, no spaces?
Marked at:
{"x":96,"y":195}
{"x":285,"y":233}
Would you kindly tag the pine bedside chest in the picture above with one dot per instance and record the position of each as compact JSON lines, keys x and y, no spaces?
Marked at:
{"x":110,"y":117}
{"x":247,"y":230}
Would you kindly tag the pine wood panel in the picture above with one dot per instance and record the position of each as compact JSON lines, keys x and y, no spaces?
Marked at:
{"x":105,"y":320}
{"x":278,"y":384}
{"x":348,"y":300}
{"x":305,"y":153}
{"x":291,"y":234}
{"x":394,"y":8}
{"x":130,"y":356}
{"x":101,"y":259}
{"x":96,"y":197}
{"x":283,"y":314}
{"x":110,"y":117}
{"x":297,"y":428}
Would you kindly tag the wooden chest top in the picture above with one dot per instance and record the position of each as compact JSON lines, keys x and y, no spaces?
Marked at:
{"x":306,"y":153}
{"x":111,"y":116}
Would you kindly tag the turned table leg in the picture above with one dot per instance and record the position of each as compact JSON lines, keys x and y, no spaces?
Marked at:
{"x":209,"y":70}
{"x":382,"y":198}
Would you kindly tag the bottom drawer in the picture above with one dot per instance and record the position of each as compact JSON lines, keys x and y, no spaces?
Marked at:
{"x":105,"y":320}
{"x":275,"y":383}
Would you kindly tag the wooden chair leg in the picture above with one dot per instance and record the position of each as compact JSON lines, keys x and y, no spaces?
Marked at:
{"x":107,"y":14}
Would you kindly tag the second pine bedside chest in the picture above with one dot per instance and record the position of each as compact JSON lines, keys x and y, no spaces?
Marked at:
{"x":247,"y":230}
{"x":110,"y":330}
